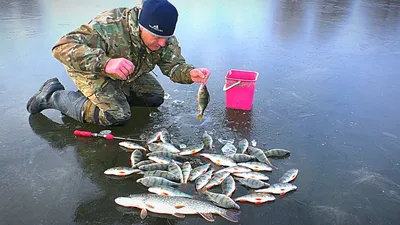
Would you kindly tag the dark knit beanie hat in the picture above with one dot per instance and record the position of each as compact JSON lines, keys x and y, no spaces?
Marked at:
{"x":158,"y":17}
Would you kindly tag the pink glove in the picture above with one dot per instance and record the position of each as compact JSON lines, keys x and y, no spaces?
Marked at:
{"x":200,"y":75}
{"x":119,"y":68}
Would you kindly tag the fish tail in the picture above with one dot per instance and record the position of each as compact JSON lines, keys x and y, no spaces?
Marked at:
{"x":231,"y":215}
{"x":200,"y":117}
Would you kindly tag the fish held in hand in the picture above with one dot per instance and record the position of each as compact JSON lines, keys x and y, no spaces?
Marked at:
{"x":203,"y":97}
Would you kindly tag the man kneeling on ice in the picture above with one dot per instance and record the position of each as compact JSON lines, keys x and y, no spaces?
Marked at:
{"x":110,"y":60}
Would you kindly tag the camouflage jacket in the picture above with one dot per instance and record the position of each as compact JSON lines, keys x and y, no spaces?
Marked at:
{"x":115,"y":34}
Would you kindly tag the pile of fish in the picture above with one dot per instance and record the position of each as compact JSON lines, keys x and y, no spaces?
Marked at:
{"x":166,"y":167}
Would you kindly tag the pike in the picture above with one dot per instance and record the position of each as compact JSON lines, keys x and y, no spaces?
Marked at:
{"x":219,"y":160}
{"x":203,"y":97}
{"x":278,"y":188}
{"x":288,"y":176}
{"x":176,"y":206}
{"x":256,"y":198}
{"x":121,"y":171}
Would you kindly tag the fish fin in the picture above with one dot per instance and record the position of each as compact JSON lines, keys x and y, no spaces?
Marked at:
{"x":208,"y":216}
{"x":150,"y":206}
{"x":179,"y":215}
{"x":230,"y":215}
{"x":179,"y":206}
{"x":143,"y":213}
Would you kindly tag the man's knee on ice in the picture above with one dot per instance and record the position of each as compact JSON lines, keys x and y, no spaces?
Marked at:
{"x":113,"y":119}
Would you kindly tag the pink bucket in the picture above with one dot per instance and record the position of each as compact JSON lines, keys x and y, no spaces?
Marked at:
{"x":239,"y":88}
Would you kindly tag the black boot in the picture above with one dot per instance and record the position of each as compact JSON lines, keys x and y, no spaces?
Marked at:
{"x":53,"y":96}
{"x":146,"y":100}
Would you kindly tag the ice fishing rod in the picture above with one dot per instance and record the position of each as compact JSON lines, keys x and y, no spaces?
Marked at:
{"x":104,"y":134}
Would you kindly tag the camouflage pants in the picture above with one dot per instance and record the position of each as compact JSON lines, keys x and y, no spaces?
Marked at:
{"x":110,"y":100}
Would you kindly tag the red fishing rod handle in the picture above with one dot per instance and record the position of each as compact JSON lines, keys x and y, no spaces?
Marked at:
{"x":109,"y":136}
{"x":82,"y":133}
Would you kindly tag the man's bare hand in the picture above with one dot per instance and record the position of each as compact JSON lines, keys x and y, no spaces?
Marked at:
{"x":200,"y":75}
{"x":120,"y":66}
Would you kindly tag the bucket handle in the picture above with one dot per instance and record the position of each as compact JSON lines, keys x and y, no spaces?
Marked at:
{"x":227,"y":88}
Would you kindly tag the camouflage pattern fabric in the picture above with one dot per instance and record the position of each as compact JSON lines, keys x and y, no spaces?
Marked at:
{"x":115,"y":34}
